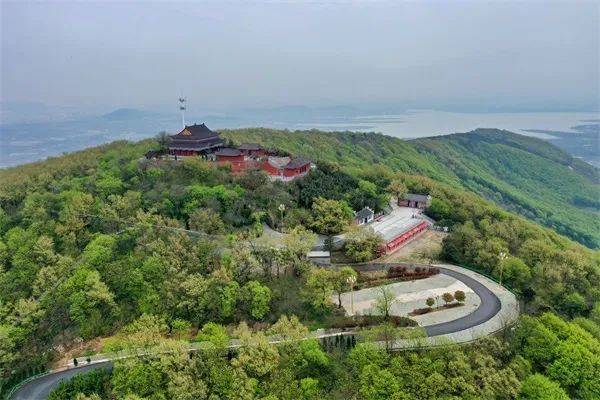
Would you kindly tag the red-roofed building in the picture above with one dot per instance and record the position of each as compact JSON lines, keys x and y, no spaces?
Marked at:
{"x":286,"y":169}
{"x":229,"y":154}
{"x":296,"y":167}
{"x":252,"y":150}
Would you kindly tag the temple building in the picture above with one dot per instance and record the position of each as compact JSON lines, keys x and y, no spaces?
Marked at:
{"x":194,"y":140}
{"x":364,"y":216}
{"x":230,"y":155}
{"x":252,"y":150}
{"x":286,"y":169}
{"x":421,"y":201}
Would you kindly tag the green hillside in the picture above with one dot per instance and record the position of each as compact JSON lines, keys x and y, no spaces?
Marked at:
{"x":522,"y":174}
{"x":525,"y":175}
{"x":153,"y":254}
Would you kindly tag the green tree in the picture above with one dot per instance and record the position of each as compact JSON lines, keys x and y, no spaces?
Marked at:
{"x":91,"y":303}
{"x":109,"y":184}
{"x":384,"y":301}
{"x":215,"y":334}
{"x":258,"y":298}
{"x":377,"y":384}
{"x":341,"y":281}
{"x":180,"y":327}
{"x":516,"y":273}
{"x":539,"y":387}
{"x":387,"y":333}
{"x":440,"y":210}
{"x":221,"y":297}
{"x":99,"y":251}
{"x":573,"y":366}
{"x":362,"y":244}
{"x":574,"y":304}
{"x":163,"y":140}
{"x":367,"y":353}
{"x":256,"y":356}
{"x":398,"y":189}
{"x":319,"y":288}
{"x":297,"y":243}
{"x":459,"y":295}
{"x":430,"y":302}
{"x":207,"y":221}
{"x":289,"y":328}
{"x":310,"y":389}
{"x":447,"y":297}
{"x":331,"y":217}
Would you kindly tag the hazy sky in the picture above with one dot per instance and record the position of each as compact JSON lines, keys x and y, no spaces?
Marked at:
{"x":231,"y":54}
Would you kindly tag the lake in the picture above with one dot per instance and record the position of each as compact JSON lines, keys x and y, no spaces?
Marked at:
{"x":22,"y":143}
{"x":423,"y":123}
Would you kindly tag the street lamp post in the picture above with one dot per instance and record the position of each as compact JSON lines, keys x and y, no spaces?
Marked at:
{"x":351,"y":281}
{"x":502,"y":257}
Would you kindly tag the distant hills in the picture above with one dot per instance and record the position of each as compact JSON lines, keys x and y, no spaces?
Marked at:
{"x":123,"y":114}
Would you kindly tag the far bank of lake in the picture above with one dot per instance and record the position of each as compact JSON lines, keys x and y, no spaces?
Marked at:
{"x":23,"y":143}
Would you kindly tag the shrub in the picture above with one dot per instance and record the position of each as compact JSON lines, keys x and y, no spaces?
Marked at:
{"x":96,"y":381}
{"x":459,"y":295}
{"x":448,"y":297}
{"x":418,"y":272}
{"x":430,"y":302}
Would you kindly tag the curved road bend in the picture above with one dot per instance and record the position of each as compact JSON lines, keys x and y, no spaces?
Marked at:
{"x":490,"y":306}
{"x":40,"y":388}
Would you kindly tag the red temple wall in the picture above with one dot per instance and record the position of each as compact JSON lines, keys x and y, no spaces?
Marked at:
{"x":239,"y":158}
{"x":271,"y":170}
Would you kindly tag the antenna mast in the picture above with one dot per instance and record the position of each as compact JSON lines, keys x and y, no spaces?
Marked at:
{"x":182,"y":109}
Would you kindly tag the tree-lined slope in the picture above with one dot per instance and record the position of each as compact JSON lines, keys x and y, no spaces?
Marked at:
{"x":525,"y":175}
{"x":522,"y":174}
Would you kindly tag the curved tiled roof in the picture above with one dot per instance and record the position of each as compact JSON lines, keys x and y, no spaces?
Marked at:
{"x":228,"y":152}
{"x":418,"y":197}
{"x":364,"y":213}
{"x":195,"y":132}
{"x":195,"y":137}
{"x":297,"y":163}
{"x":250,"y":146}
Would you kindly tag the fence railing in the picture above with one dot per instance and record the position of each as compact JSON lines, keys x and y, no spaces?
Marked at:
{"x":12,"y":388}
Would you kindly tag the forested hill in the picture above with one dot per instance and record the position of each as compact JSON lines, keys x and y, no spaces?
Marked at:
{"x":102,"y":250}
{"x":522,"y":174}
{"x":526,"y":175}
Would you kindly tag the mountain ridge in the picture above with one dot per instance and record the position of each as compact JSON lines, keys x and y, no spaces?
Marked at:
{"x":523,"y":174}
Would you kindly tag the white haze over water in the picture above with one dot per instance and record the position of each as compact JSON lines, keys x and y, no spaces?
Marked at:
{"x":424,"y":123}
{"x":25,"y":143}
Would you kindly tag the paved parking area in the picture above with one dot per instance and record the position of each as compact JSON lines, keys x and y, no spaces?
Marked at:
{"x":498,"y":308}
{"x":411,"y":295}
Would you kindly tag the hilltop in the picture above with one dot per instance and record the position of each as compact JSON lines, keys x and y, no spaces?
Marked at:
{"x":522,"y":174}
{"x":104,"y":250}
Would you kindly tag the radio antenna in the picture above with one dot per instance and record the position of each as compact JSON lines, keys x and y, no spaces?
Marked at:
{"x":182,"y":109}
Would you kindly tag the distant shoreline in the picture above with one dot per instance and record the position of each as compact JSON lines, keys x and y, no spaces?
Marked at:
{"x":30,"y":142}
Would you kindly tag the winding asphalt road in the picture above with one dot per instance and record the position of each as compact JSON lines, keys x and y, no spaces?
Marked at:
{"x":490,"y":305}
{"x":38,"y":389}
